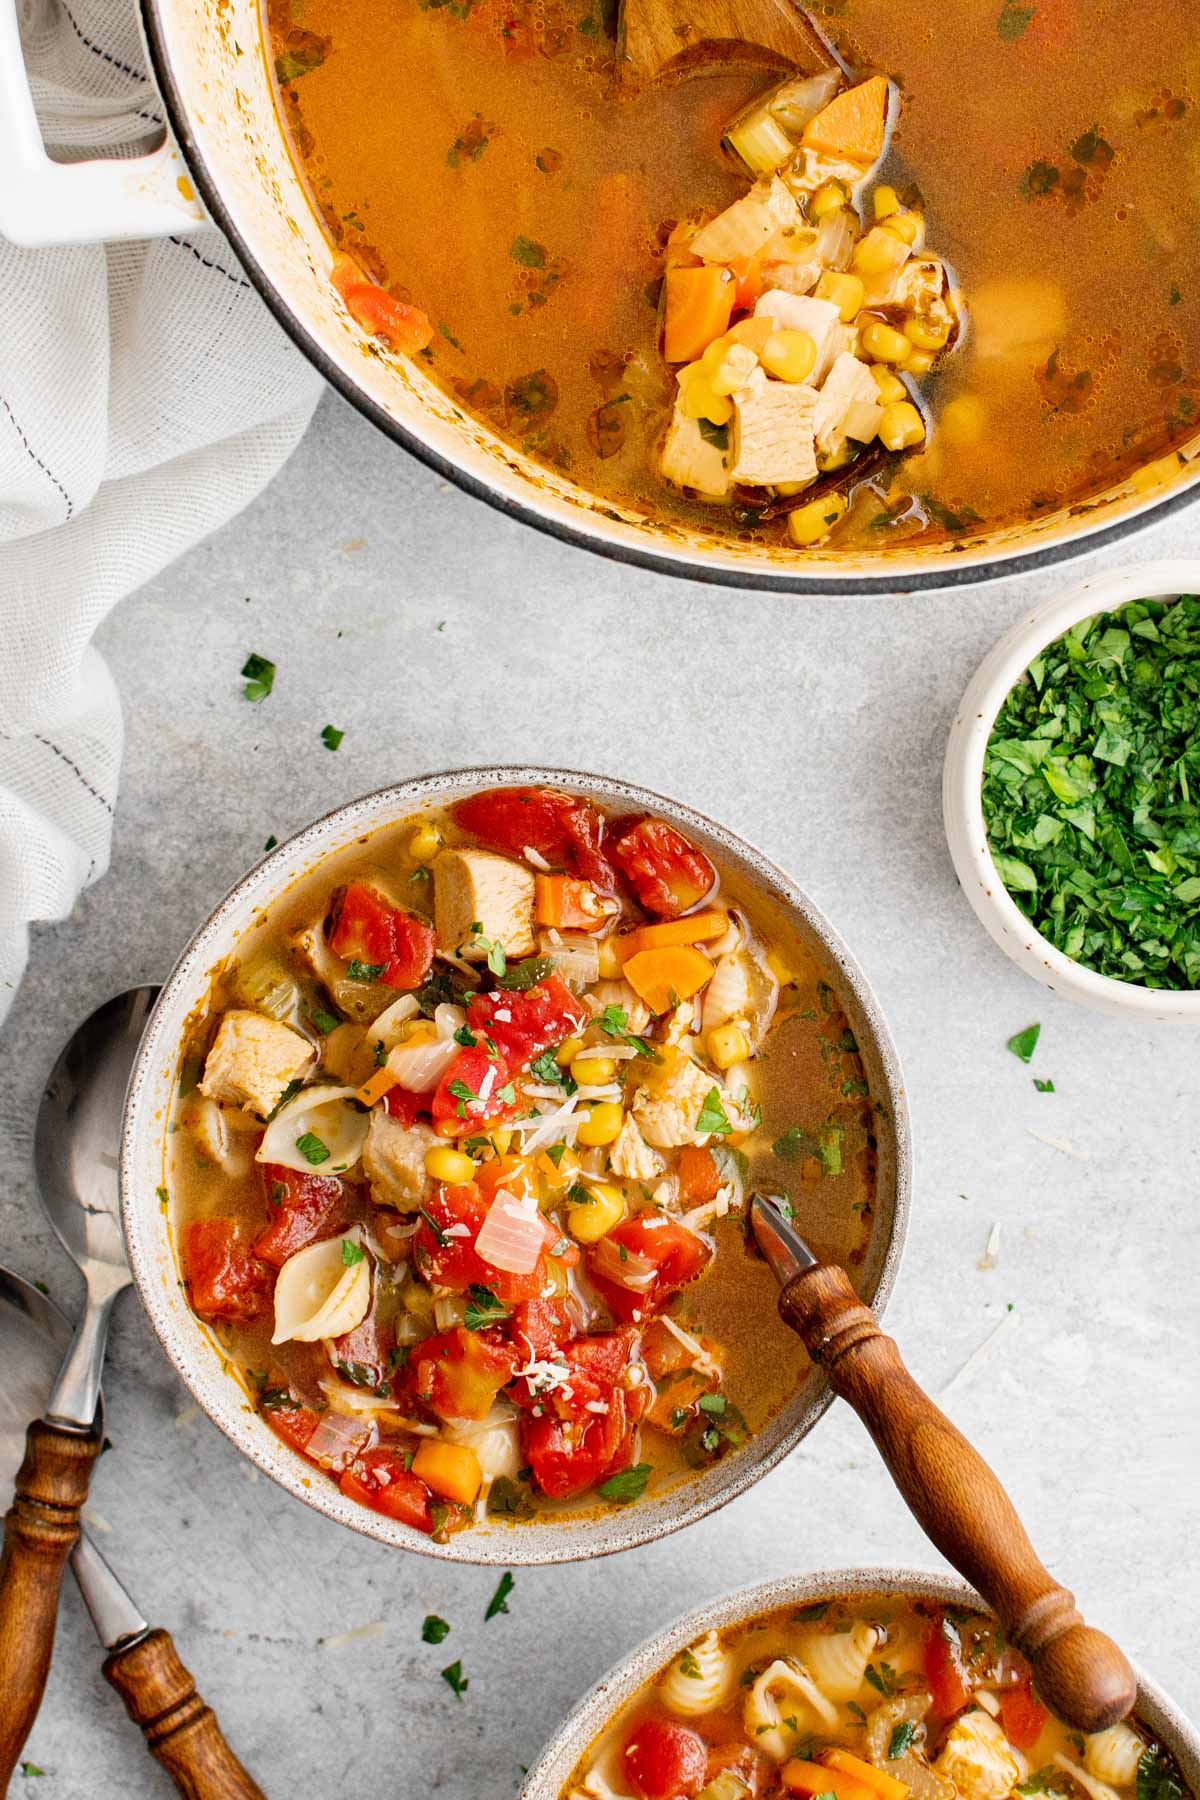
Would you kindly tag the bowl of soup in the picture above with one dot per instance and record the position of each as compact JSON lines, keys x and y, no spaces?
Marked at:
{"x":438,"y":1151}
{"x":905,"y":319}
{"x":895,"y":1684}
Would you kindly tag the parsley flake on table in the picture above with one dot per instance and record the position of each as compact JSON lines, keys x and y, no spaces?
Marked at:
{"x":331,"y":737}
{"x":1043,"y":1087}
{"x":434,"y":1629}
{"x":1091,"y":793}
{"x":1024,"y":1043}
{"x":260,"y":676}
{"x":456,"y":1680}
{"x":499,"y":1600}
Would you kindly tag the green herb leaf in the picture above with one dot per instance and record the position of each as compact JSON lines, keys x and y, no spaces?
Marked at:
{"x":363,"y":971}
{"x":713,"y":1403}
{"x":260,"y":677}
{"x":1043,"y":1087}
{"x":456,"y":1680}
{"x":434,"y":1630}
{"x":713,"y":1116}
{"x":331,"y":737}
{"x":629,"y":1485}
{"x":29,"y":1769}
{"x":1157,"y":1777}
{"x":527,"y":252}
{"x":499,"y":1600}
{"x":1024,"y":1042}
{"x":1014,"y":21}
{"x":547,"y":1068}
{"x":901,"y":1739}
{"x":433,"y":1225}
{"x":351,"y":1252}
{"x":483,"y":1308}
{"x":614,"y":1020}
{"x":524,"y":974}
{"x":312,"y":1148}
{"x":882,"y":1677}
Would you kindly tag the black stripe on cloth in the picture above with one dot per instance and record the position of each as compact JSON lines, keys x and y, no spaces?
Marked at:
{"x":48,"y":473}
{"x":113,"y":61}
{"x":74,"y":766}
{"x":238,"y":280}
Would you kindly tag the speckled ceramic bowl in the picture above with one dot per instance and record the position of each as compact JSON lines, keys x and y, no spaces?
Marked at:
{"x":194,"y":1351}
{"x":549,"y":1775}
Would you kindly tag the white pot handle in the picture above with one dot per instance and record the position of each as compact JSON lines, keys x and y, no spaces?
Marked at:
{"x":44,"y":202}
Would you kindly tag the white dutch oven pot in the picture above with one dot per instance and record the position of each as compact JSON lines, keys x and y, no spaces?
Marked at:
{"x":213,"y":71}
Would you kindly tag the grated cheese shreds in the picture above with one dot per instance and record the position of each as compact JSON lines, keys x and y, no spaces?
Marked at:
{"x":340,"y":1639}
{"x":536,"y":858}
{"x":991,"y":1255}
{"x":702,"y":1362}
{"x":978,"y":1354}
{"x":1062,"y":1145}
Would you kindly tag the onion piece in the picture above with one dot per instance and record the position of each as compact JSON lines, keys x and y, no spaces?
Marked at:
{"x":323,"y":1113}
{"x":338,"y":1438}
{"x":386,"y":1028}
{"x":448,"y":1019}
{"x":798,"y":101}
{"x":836,"y":238}
{"x":420,"y":1066}
{"x":628,"y":1269}
{"x":512,"y":1236}
{"x":576,"y":957}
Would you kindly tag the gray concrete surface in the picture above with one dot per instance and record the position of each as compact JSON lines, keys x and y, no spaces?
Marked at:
{"x":436,"y":633}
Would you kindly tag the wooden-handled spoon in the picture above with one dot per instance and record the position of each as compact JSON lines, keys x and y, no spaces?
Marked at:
{"x":957,"y":1500}
{"x":675,"y":37}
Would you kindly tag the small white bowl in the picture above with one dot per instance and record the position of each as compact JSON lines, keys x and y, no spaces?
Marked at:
{"x":962,"y":781}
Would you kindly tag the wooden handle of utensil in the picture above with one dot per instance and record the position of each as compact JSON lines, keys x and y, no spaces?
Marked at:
{"x":180,"y":1729}
{"x":40,"y":1531}
{"x":1081,"y":1674}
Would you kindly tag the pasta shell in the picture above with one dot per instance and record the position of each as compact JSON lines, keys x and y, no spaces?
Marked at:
{"x":322,"y":1113}
{"x":742,"y":987}
{"x":1114,"y":1755}
{"x":698,"y":1679}
{"x":318,"y":1295}
{"x":837,"y":1661}
{"x":783,"y":1704}
{"x":1091,"y":1784}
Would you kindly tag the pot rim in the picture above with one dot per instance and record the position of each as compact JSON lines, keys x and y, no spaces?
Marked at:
{"x":220,"y":1396}
{"x":592,"y":1713}
{"x":949,"y":575}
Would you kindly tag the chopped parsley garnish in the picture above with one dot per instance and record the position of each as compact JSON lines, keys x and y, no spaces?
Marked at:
{"x":483,"y":1308}
{"x":713,"y":1403}
{"x":466,"y":1037}
{"x":433,"y":1225}
{"x":808,"y":1615}
{"x":28,"y":1769}
{"x":524,"y":974}
{"x":313,"y":1149}
{"x":548,"y":1068}
{"x":1091,"y":793}
{"x":331,"y":737}
{"x":1025,"y":1042}
{"x":289,"y":1093}
{"x":278,"y":1400}
{"x":351,"y":1252}
{"x":556,"y":1152}
{"x":1157,"y":1778}
{"x":882,"y":1677}
{"x":363,"y":971}
{"x":462,"y":1094}
{"x":434,"y":1629}
{"x":260,"y":677}
{"x":614,"y":1022}
{"x":713,"y":1116}
{"x":629,"y":1485}
{"x":455,"y":1680}
{"x":901,"y":1739}
{"x":528,"y":252}
{"x":325,"y":1022}
{"x":499,"y":1600}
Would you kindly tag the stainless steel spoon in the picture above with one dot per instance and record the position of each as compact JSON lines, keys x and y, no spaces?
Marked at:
{"x":159,"y":1694}
{"x":76,"y":1144}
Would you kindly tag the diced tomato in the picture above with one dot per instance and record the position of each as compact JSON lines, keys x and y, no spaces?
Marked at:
{"x":540,"y":1327}
{"x":406,"y":328}
{"x":403,"y":1105}
{"x":562,"y":828}
{"x":225,"y":1279}
{"x":301,"y":1207}
{"x":294,"y":1424}
{"x":595,"y":1366}
{"x":677,"y":1253}
{"x":668,"y":875}
{"x":474,"y":1092}
{"x":945,"y":1670}
{"x":569,"y":1456}
{"x":662,"y":1352}
{"x":699,"y":1176}
{"x":363,"y":928}
{"x":459,"y":1373}
{"x":449,"y":1258}
{"x":379,"y":1479}
{"x":666,"y":1761}
{"x":1021,"y":1715}
{"x":522,"y":1025}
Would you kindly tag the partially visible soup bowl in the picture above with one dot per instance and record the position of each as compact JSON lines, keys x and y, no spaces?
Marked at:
{"x":568,"y":1752}
{"x":192,"y":1346}
{"x":962,"y":783}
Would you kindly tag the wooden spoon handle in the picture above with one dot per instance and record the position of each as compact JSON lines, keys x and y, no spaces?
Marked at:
{"x":1081,"y":1674}
{"x":40,"y":1531}
{"x":180,"y":1729}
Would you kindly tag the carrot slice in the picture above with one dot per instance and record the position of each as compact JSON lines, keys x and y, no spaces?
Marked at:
{"x":852,"y":125}
{"x":380,"y":1083}
{"x":888,"y":1787}
{"x":404,"y":328}
{"x":699,"y":303}
{"x":800,"y":1777}
{"x":699,"y":1177}
{"x":452,"y":1470}
{"x":568,"y":904}
{"x":696,"y":928}
{"x":663,"y":976}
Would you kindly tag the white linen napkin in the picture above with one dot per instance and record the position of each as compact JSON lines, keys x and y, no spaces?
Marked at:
{"x":146,"y":395}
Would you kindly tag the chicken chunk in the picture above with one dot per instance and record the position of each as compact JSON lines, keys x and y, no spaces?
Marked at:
{"x":804,"y":312}
{"x":811,"y":169}
{"x":691,"y":460}
{"x":667,"y":1106}
{"x":773,"y":432}
{"x":847,"y":406}
{"x":477,"y":888}
{"x":631,"y":1156}
{"x":252,"y":1060}
{"x":393,"y":1158}
{"x":920,"y":283}
{"x":742,"y":229}
{"x":978,"y":1758}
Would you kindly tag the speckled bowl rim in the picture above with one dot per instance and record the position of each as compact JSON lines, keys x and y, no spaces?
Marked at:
{"x":190,"y":1347}
{"x":585,"y":1722}
{"x":962,"y":781}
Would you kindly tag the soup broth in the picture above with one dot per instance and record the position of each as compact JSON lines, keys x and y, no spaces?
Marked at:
{"x":482,"y":159}
{"x":459,"y":1177}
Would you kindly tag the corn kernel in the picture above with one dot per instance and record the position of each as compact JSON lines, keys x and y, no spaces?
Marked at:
{"x":904,"y":225}
{"x":785,"y":489}
{"x":927,"y":334}
{"x":901,"y":426}
{"x":593,"y":1071}
{"x":601,"y":1124}
{"x":883,"y":344}
{"x":610,"y":961}
{"x":790,"y":355}
{"x":885,"y":201}
{"x":444,"y":1164}
{"x":424,"y":843}
{"x":889,"y":384}
{"x":829,"y":198}
{"x":569,"y":1048}
{"x":836,"y":459}
{"x":728,"y":1044}
{"x":593,"y":1218}
{"x":878,"y":253}
{"x":919,"y":363}
{"x":807,"y":525}
{"x":846,"y":292}
{"x":699,"y":400}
